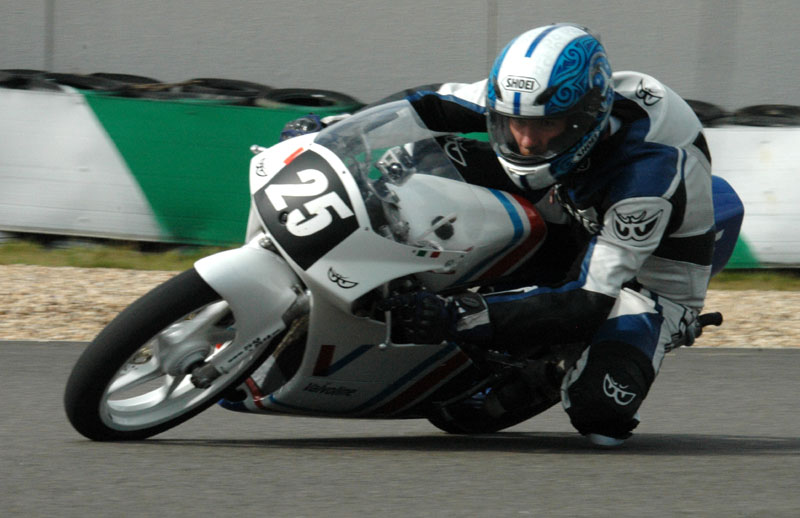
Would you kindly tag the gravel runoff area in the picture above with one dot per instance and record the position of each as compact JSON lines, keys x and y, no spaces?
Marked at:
{"x":73,"y":304}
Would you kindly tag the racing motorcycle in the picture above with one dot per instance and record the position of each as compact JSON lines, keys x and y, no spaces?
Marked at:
{"x":290,"y":323}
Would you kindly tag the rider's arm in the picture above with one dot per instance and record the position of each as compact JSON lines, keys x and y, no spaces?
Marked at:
{"x":632,"y":230}
{"x":447,"y":107}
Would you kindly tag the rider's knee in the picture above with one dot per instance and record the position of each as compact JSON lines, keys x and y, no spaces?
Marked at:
{"x":603,"y":392}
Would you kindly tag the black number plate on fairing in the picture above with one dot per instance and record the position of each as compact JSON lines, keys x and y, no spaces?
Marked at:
{"x":306,"y":209}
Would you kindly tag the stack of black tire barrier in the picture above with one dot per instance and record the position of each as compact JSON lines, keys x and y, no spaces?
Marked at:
{"x":219,"y":90}
{"x":247,"y":93}
{"x":764,"y":115}
{"x":24,"y":79}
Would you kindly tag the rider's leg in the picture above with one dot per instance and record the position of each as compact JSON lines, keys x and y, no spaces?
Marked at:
{"x":604,"y":390}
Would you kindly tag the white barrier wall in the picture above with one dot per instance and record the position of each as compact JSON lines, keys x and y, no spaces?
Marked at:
{"x":61,"y":173}
{"x":763,"y":165}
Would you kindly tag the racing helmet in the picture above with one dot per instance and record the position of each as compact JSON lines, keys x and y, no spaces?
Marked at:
{"x":552,"y":85}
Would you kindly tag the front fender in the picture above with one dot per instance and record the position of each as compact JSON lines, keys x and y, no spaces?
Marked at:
{"x":258,"y":286}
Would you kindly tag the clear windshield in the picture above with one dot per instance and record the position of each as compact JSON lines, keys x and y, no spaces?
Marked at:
{"x":413,"y":193}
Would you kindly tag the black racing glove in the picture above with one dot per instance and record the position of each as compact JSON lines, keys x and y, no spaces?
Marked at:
{"x":310,"y":123}
{"x":423,"y":317}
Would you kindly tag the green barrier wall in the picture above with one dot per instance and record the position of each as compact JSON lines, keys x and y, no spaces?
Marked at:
{"x":191,"y":158}
{"x":742,"y":256}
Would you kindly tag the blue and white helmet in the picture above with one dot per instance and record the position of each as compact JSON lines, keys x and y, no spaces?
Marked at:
{"x":553,"y":74}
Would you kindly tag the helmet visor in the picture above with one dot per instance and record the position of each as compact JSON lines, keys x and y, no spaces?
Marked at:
{"x":535,"y":140}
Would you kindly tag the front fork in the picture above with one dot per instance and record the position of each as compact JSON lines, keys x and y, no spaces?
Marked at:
{"x":264,"y":295}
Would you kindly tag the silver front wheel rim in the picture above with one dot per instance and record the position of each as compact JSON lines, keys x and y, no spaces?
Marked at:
{"x":147,"y":390}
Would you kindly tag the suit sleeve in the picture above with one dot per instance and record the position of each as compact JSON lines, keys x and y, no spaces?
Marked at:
{"x":447,"y":107}
{"x":632,"y":230}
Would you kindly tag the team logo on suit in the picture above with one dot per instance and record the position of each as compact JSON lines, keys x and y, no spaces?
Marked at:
{"x":617,"y":392}
{"x":636,"y":226}
{"x":648,"y":97}
{"x":453,"y":149}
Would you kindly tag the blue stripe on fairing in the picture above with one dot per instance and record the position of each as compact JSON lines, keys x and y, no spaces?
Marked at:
{"x":377,"y":399}
{"x":570,"y":286}
{"x":472,"y":106}
{"x":348,"y":358}
{"x":275,"y":402}
{"x":413,"y":373}
{"x":519,"y":228}
{"x":538,"y":39}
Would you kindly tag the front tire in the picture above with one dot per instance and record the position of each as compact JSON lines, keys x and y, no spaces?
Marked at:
{"x":129,"y":383}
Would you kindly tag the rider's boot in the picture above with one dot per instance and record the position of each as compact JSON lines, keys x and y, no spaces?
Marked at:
{"x":607,"y":441}
{"x":604,"y":441}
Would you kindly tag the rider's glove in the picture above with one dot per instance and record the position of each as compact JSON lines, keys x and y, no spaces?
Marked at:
{"x":310,"y":123}
{"x":422,"y":317}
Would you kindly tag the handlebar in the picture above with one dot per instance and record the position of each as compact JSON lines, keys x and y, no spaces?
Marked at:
{"x":710,"y":319}
{"x":694,"y":330}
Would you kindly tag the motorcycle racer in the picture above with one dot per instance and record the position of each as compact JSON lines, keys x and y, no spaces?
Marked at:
{"x":622,"y":157}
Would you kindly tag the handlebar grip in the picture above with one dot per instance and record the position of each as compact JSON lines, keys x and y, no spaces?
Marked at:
{"x":710,"y":319}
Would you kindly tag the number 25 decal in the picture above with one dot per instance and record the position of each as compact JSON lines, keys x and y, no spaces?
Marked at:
{"x":314,"y":184}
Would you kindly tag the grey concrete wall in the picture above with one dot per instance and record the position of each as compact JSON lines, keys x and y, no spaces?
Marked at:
{"x":729,"y":52}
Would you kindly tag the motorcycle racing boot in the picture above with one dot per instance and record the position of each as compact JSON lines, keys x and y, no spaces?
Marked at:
{"x":604,"y":441}
{"x":538,"y":383}
{"x":608,"y":441}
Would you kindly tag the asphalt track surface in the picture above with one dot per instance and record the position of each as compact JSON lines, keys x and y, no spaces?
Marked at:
{"x":719,"y":438}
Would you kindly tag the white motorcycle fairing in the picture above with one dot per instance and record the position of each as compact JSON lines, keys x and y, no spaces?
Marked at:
{"x":259,"y":287}
{"x":347,"y":222}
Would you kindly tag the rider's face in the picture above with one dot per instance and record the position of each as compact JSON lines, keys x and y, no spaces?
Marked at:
{"x":533,"y":135}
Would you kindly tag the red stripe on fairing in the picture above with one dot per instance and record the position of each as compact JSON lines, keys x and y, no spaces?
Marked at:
{"x":537,"y":233}
{"x":324,"y":360}
{"x":292,"y":156}
{"x":257,"y":395}
{"x":429,"y":381}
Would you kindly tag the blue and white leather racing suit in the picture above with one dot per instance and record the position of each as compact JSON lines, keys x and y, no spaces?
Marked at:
{"x":643,"y":196}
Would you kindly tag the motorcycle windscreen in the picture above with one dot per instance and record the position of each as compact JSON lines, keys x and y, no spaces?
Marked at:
{"x":411,"y":191}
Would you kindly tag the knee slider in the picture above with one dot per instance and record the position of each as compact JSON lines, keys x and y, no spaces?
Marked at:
{"x":603,"y":394}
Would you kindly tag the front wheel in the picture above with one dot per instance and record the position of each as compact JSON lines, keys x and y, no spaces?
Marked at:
{"x":131,"y":382}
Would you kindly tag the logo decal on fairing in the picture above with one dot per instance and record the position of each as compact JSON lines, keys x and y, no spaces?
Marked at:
{"x":648,"y":97}
{"x":617,"y":392}
{"x":261,"y":169}
{"x":340,"y":280}
{"x":636,"y":226}
{"x":330,"y":390}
